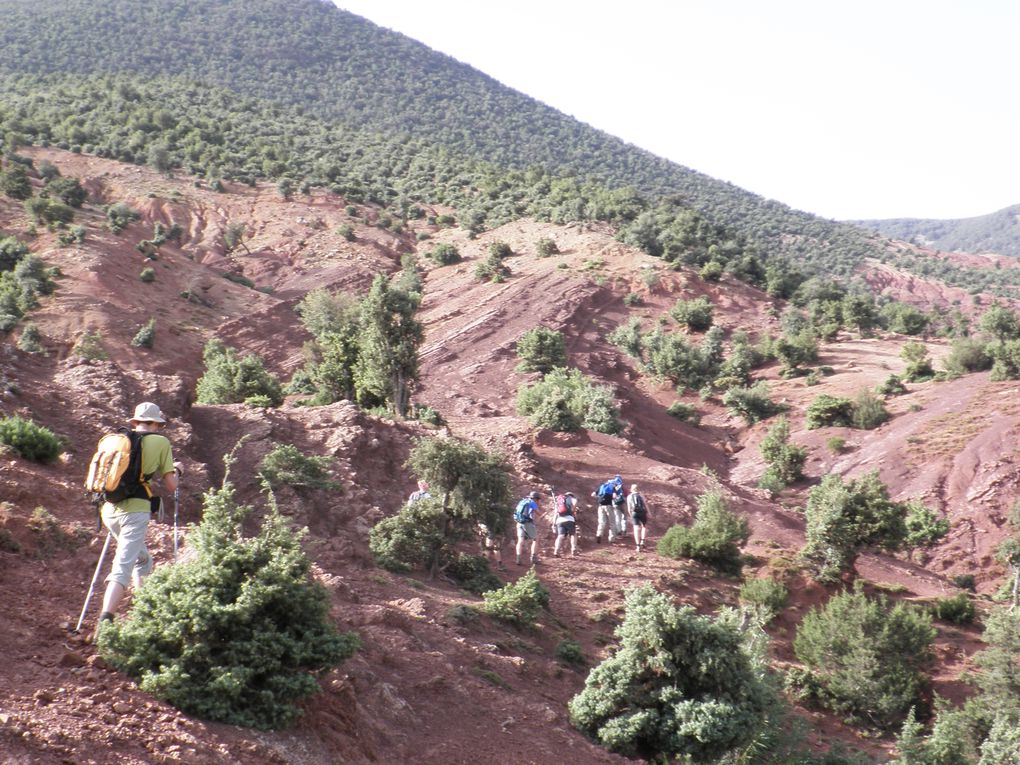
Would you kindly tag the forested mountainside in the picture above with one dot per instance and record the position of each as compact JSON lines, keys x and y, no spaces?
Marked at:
{"x":313,"y":57}
{"x":997,"y":233}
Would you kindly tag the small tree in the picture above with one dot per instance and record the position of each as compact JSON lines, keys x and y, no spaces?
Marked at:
{"x":679,"y":685}
{"x":566,"y":400}
{"x":826,"y":411}
{"x":517,"y":602}
{"x":31,"y":441}
{"x":869,"y":658}
{"x":444,"y":254}
{"x":714,"y":538}
{"x":843,"y":518}
{"x":695,"y":314}
{"x":233,"y":237}
{"x":785,"y":461}
{"x":146,"y":335}
{"x":469,"y":485}
{"x":540,"y":350}
{"x":919,"y":368}
{"x":237,"y":634}
{"x":231,"y":380}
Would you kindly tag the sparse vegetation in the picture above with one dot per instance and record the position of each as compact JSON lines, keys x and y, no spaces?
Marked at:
{"x":566,"y":400}
{"x":519,"y":602}
{"x":146,"y":335}
{"x":31,"y":441}
{"x":680,"y":686}
{"x":785,"y":461}
{"x":541,"y":350}
{"x":237,"y":634}
{"x":231,"y":380}
{"x":288,"y":465}
{"x":865,"y":657}
{"x":714,"y":538}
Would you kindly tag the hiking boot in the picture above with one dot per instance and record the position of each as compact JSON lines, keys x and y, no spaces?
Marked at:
{"x":598,"y":539}
{"x":534,"y":560}
{"x":519,"y":560}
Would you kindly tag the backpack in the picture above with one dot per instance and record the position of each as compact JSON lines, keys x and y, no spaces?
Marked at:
{"x":524,"y":511}
{"x":639,"y":503}
{"x":563,"y":507}
{"x":115,"y":473}
{"x":606,"y":493}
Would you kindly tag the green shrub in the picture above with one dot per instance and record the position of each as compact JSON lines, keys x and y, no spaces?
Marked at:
{"x":683,"y":412}
{"x":444,"y":254}
{"x":868,"y":658}
{"x":500,"y":250}
{"x":836,"y":444}
{"x":31,"y":441}
{"x":569,"y":651}
{"x":892,"y":386}
{"x":464,"y":615}
{"x":958,"y":609}
{"x":492,"y":269}
{"x":714,"y":538}
{"x":628,"y":337}
{"x":753,"y":403}
{"x":1006,"y":360}
{"x":923,"y":526}
{"x":695,"y":314}
{"x":30,"y":340}
{"x":517,"y":602}
{"x":868,"y":411}
{"x":413,"y":538}
{"x":679,"y":686}
{"x":346,"y":230}
{"x":47,"y":211}
{"x":429,"y":415}
{"x":712,"y":271}
{"x":147,"y":275}
{"x":967,"y":354}
{"x":89,"y":346}
{"x":842,"y":518}
{"x":230,"y":380}
{"x":286,"y":464}
{"x":964,"y":582}
{"x":631,"y":299}
{"x":785,"y":461}
{"x":546,"y":247}
{"x":146,"y":335}
{"x":541,"y":350}
{"x":14,"y":182}
{"x":919,"y":368}
{"x":769,"y":594}
{"x":829,"y":411}
{"x":67,"y":190}
{"x":11,"y":252}
{"x":119,"y":216}
{"x":566,"y":400}
{"x":472,"y":572}
{"x":237,"y":634}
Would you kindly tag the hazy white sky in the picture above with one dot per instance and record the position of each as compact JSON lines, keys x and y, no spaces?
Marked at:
{"x":865,"y":109}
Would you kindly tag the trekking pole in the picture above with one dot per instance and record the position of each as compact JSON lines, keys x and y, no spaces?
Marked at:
{"x":95,"y":576}
{"x":177,"y":507}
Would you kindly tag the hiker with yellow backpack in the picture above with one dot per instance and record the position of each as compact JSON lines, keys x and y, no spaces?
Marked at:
{"x":122,"y":484}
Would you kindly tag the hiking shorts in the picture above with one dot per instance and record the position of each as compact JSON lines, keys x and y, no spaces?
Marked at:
{"x":566,"y":529}
{"x":639,"y":519}
{"x":527,"y":530}
{"x":131,"y":561}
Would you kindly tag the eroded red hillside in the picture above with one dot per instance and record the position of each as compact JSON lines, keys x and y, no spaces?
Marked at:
{"x":424,"y":688}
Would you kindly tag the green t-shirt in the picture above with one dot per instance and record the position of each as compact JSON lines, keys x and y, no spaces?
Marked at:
{"x":157,"y":461}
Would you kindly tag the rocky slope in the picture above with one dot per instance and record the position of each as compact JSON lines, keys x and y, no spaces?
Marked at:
{"x":425,"y":688}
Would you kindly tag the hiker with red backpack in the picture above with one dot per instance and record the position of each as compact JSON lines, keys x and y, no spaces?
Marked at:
{"x":524,"y":516}
{"x":638,"y":516}
{"x":127,"y":519}
{"x":566,"y":522}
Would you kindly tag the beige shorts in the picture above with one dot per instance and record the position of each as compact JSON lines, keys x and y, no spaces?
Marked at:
{"x":132,"y":561}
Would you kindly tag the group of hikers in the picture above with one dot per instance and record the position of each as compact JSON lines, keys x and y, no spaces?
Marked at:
{"x":127,"y":519}
{"x":615,"y":507}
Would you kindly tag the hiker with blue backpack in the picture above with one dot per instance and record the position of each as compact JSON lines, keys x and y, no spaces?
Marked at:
{"x":606,"y":517}
{"x":524,"y":516}
{"x":619,"y":506}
